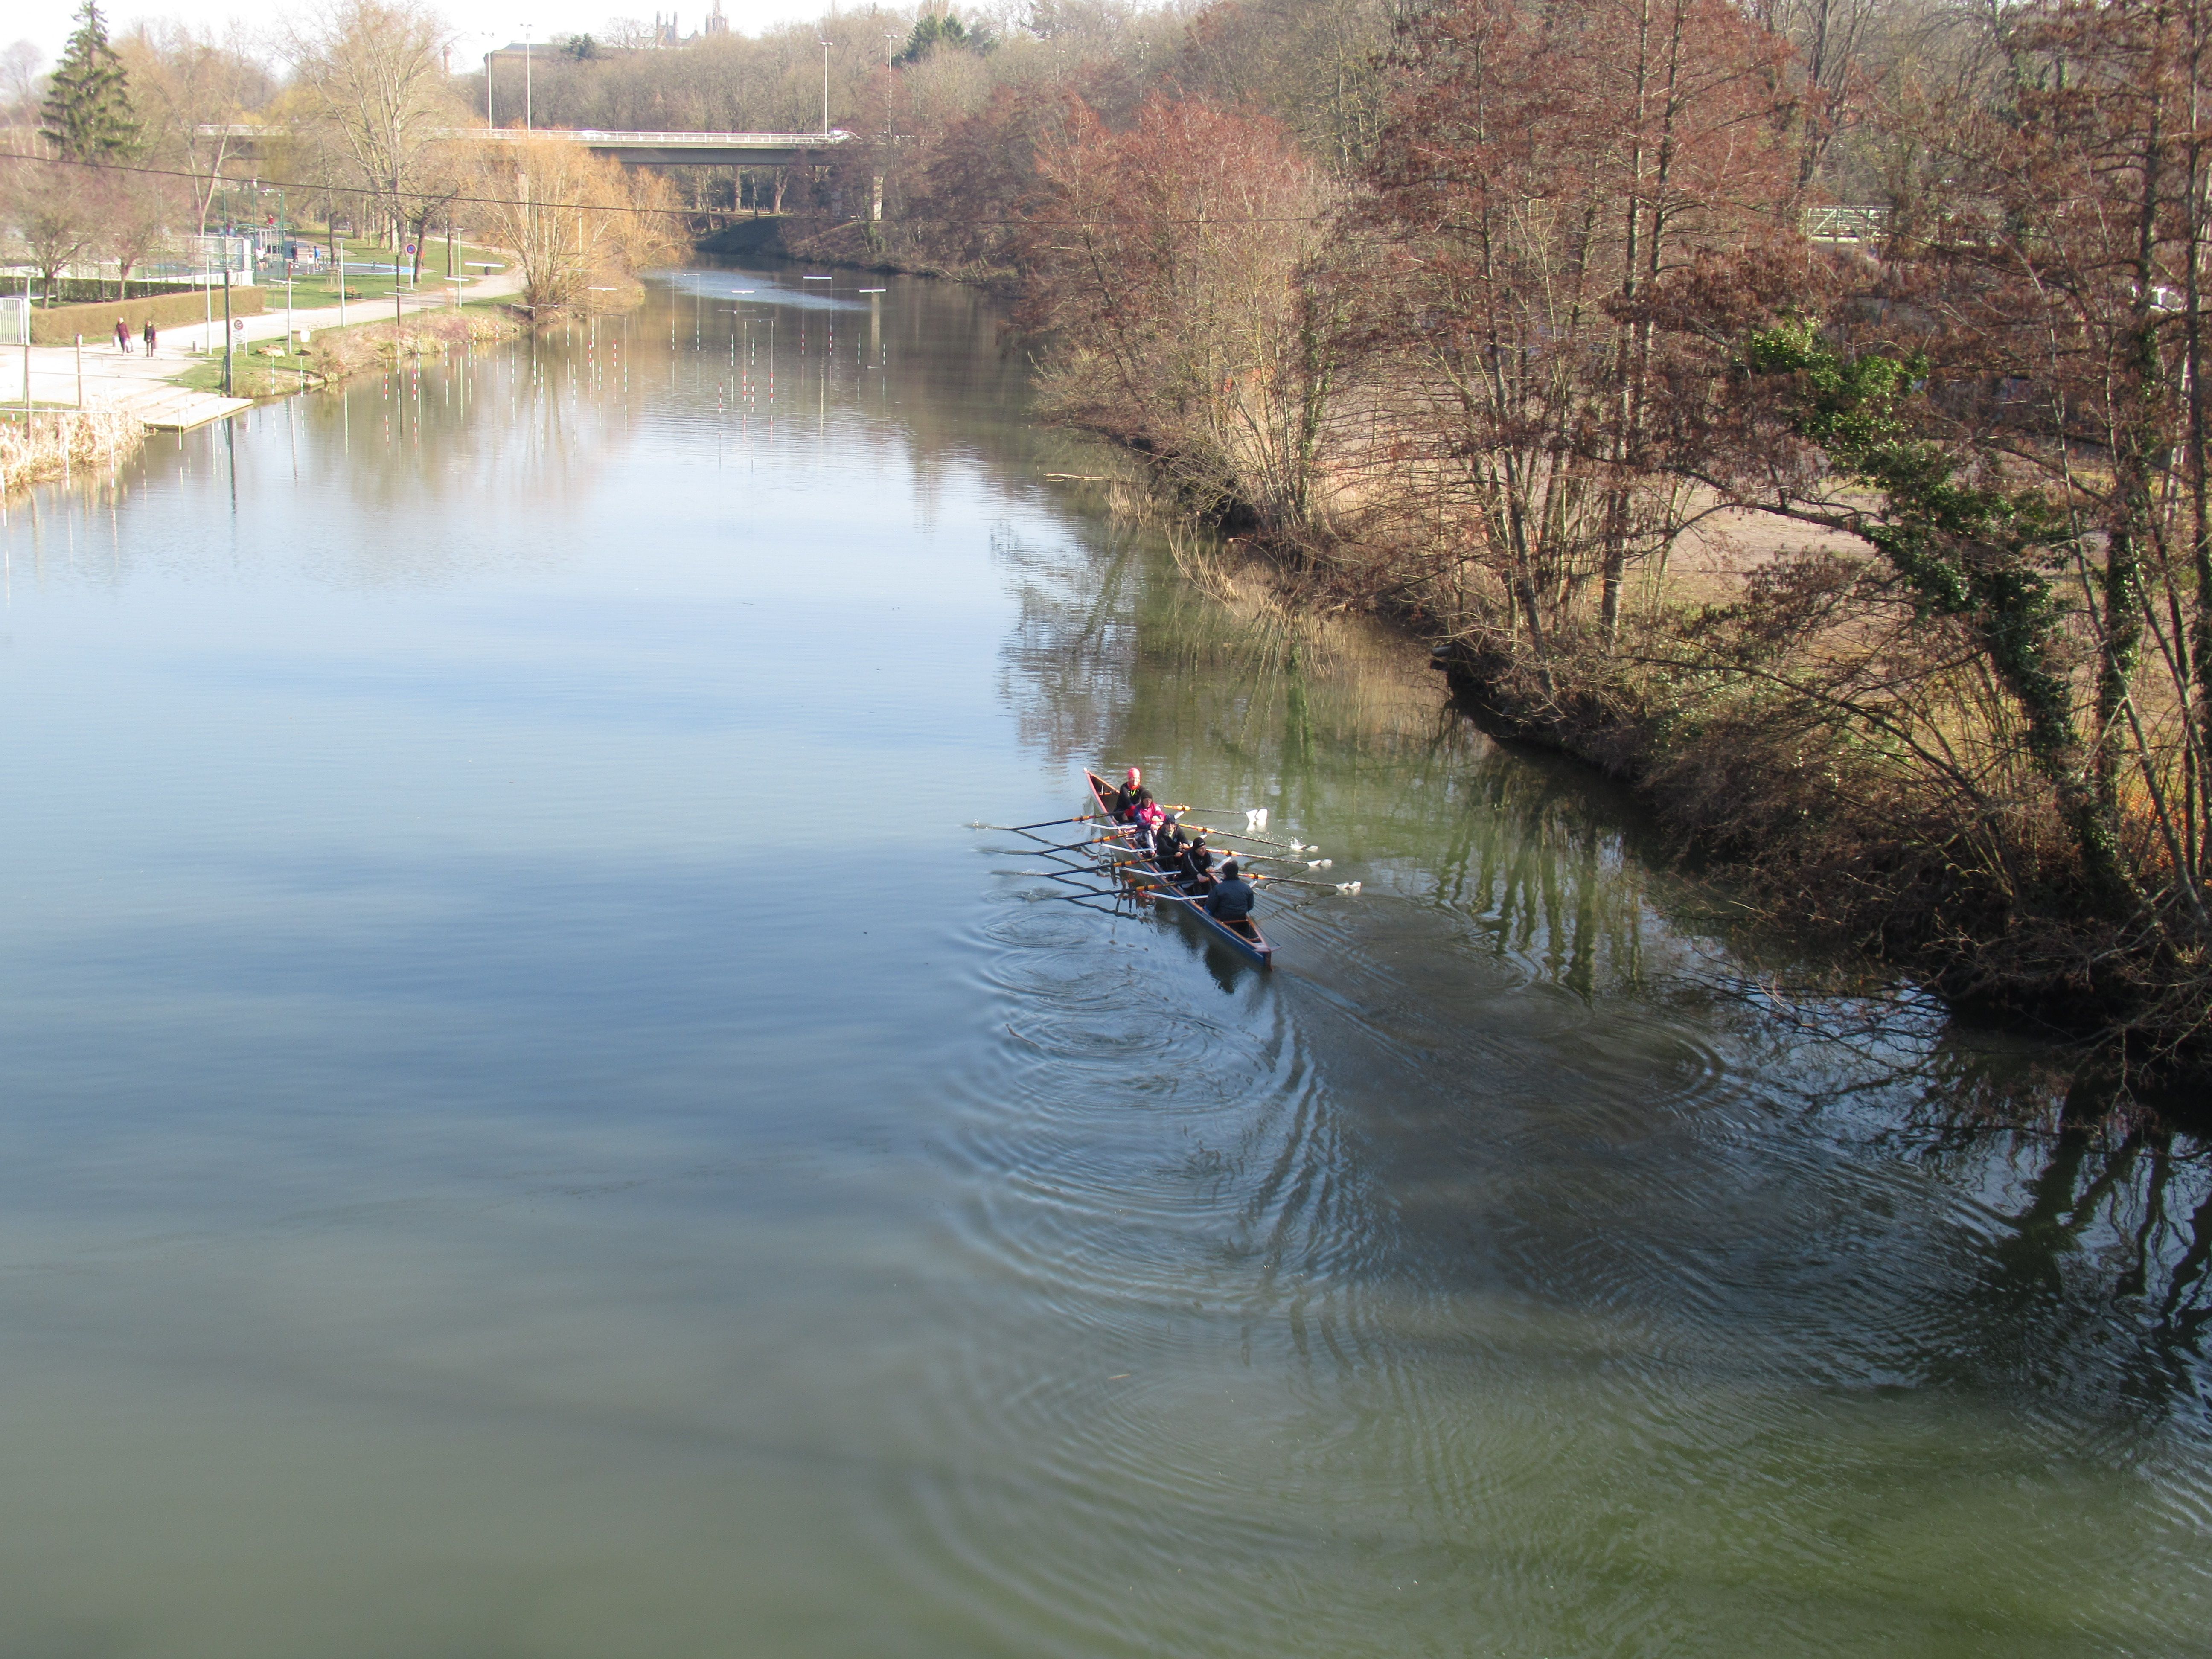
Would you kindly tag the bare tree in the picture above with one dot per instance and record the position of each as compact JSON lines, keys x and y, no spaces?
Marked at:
{"x":133,"y":213}
{"x":193,"y":90}
{"x":572,"y":218}
{"x":50,"y":211}
{"x":21,"y":86}
{"x":372,"y":75}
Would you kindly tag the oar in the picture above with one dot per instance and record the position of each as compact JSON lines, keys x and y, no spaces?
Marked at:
{"x":1053,"y":875}
{"x":1320,"y":886}
{"x":1264,"y":840}
{"x":1041,"y":823}
{"x":1269,"y":858}
{"x":1052,"y":847}
{"x":1255,"y":818}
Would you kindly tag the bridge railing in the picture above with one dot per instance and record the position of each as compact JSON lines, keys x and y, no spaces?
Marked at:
{"x":672,"y":140}
{"x":590,"y":135}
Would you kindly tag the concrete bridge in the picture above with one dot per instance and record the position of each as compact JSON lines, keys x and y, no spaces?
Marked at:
{"x":637,"y":149}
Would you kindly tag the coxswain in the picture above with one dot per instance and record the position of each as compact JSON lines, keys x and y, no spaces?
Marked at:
{"x":1125,"y":798}
{"x":1232,"y":900}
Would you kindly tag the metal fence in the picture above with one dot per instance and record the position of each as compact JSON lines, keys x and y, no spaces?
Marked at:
{"x":1846,"y":224}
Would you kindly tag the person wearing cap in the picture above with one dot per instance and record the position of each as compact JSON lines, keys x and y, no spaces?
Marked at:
{"x":1125,"y":798}
{"x":1197,"y":874}
{"x":1167,"y":843}
{"x":1232,"y":900}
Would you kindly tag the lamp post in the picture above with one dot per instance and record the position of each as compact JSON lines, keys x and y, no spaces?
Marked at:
{"x":526,"y":27}
{"x":890,"y":41}
{"x":825,"y":86}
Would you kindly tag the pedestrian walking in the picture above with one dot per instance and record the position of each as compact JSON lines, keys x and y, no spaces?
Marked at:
{"x":151,"y":336}
{"x":123,"y":337}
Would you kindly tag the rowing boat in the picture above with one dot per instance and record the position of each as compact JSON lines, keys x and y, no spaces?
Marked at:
{"x":1146,"y":876}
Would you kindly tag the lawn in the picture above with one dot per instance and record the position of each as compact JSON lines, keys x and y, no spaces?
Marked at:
{"x":366,"y":282}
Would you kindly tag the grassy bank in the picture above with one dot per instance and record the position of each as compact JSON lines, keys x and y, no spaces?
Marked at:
{"x":332,"y":354}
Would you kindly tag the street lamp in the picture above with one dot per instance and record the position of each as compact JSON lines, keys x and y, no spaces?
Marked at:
{"x":824,"y":45}
{"x":526,"y":27}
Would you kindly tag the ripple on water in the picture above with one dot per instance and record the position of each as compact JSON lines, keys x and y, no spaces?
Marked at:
{"x":1408,"y":1268}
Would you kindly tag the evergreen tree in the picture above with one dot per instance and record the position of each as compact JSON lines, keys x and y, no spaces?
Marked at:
{"x":944,"y":29}
{"x":87,"y":114}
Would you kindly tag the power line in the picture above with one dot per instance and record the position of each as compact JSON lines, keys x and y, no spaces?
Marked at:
{"x":600,"y":207}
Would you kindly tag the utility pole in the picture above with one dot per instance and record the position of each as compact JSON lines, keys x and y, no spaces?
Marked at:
{"x":526,"y":27}
{"x":226,"y":319}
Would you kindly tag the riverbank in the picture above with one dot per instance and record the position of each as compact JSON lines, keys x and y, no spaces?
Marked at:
{"x":62,"y":444}
{"x":848,"y":244}
{"x":1801,"y":810}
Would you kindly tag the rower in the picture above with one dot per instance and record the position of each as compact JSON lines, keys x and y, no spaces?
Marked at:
{"x":1232,"y":900}
{"x":1197,"y":863}
{"x":1168,"y":844}
{"x":1125,"y":798}
{"x":1149,"y":820}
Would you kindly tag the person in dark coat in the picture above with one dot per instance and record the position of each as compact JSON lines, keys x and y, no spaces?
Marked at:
{"x":1232,"y":899}
{"x":1197,"y":873}
{"x":123,"y":337}
{"x":152,"y":337}
{"x":1124,"y":802}
{"x":1168,"y":844}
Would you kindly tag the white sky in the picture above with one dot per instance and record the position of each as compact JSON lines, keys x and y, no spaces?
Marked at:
{"x":478,"y":25}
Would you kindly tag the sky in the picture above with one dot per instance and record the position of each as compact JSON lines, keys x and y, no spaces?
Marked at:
{"x":478,"y":25}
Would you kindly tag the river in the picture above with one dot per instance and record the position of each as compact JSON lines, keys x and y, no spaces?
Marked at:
{"x":534,"y":1126}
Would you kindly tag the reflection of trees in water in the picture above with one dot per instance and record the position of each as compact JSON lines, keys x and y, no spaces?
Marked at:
{"x":533,"y":428}
{"x":2099,"y":1240}
{"x":1336,"y":725}
{"x":2100,"y":1214}
{"x":442,"y":451}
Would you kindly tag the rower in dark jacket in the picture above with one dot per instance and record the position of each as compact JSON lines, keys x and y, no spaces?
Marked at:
{"x":1232,"y":899}
{"x":1168,"y":844}
{"x":1197,"y":872}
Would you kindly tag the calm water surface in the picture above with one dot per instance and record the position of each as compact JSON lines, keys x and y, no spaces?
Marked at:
{"x":531,"y":1126}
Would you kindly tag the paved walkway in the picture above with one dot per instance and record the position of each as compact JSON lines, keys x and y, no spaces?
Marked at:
{"x":136,"y":384}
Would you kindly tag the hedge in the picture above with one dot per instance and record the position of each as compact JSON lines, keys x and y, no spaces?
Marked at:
{"x":59,"y":325}
{"x":87,"y":290}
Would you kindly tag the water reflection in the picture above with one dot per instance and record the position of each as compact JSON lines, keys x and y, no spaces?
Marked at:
{"x":1608,"y":1242}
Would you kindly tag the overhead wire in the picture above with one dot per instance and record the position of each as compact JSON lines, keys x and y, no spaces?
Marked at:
{"x":398,"y":193}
